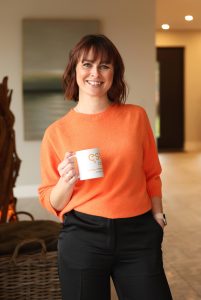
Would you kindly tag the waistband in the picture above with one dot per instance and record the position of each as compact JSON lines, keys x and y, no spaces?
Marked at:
{"x":102,"y":219}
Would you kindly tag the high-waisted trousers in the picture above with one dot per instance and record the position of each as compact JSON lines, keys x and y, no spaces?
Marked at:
{"x":93,"y":249}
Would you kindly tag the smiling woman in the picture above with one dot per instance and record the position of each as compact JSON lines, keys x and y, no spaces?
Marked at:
{"x":97,"y":54}
{"x":113,"y":224}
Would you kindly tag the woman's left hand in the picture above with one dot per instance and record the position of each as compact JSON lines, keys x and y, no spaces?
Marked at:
{"x":160,"y":222}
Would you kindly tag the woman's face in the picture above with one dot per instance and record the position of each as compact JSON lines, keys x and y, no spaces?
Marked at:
{"x":94,"y":77}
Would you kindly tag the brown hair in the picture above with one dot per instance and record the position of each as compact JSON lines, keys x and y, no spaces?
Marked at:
{"x":103,"y":47}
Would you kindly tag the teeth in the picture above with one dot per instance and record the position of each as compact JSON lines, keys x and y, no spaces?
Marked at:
{"x":94,"y":83}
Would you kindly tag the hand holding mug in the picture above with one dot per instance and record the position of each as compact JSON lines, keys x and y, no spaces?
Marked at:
{"x":67,"y":169}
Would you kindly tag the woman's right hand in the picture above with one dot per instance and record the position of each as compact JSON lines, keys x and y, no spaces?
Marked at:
{"x":62,"y":191}
{"x":67,"y":169}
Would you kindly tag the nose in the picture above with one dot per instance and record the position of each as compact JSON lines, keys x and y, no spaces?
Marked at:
{"x":95,"y":71}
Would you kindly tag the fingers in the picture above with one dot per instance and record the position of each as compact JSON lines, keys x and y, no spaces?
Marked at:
{"x":66,"y":164}
{"x":67,"y":169}
{"x":160,"y":222}
{"x":70,"y":177}
{"x":68,"y":154}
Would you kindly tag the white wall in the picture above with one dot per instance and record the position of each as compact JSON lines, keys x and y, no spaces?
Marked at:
{"x":191,"y":40}
{"x":130,"y":25}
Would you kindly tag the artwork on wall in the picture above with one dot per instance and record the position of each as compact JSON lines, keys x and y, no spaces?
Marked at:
{"x":46,"y":46}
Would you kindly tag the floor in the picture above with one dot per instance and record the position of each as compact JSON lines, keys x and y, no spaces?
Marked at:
{"x":182,"y":239}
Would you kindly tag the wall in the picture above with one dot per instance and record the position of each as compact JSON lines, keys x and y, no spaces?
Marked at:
{"x":130,"y":25}
{"x":191,"y":40}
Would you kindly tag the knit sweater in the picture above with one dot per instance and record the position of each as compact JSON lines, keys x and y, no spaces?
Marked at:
{"x":129,"y":157}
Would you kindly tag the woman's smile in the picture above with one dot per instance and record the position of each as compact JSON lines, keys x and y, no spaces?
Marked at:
{"x":94,"y":83}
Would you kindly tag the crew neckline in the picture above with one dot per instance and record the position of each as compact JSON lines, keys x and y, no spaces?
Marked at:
{"x":95,"y":115}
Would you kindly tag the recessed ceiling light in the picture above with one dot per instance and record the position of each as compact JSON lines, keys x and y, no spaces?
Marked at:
{"x":165,"y":26}
{"x":189,"y":18}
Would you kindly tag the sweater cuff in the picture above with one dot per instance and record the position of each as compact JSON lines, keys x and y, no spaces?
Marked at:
{"x":45,"y":201}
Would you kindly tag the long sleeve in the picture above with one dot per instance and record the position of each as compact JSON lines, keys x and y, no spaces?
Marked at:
{"x":49,"y":174}
{"x":151,"y":162}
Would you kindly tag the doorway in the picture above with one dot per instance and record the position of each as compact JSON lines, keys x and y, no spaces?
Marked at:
{"x":171,"y":98}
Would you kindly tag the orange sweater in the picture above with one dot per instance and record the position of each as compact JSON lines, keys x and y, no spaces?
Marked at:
{"x":129,"y":156}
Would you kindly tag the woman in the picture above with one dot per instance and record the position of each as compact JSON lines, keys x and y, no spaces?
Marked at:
{"x":112,"y":226}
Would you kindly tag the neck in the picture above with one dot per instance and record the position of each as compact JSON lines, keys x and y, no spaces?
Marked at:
{"x":92,"y":107}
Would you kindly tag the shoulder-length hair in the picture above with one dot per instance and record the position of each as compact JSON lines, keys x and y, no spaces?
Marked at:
{"x":101,"y":47}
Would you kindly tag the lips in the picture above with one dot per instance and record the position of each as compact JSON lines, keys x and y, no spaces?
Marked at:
{"x":94,"y":82}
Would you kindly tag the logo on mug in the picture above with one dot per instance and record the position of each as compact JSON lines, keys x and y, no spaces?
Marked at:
{"x":94,"y":157}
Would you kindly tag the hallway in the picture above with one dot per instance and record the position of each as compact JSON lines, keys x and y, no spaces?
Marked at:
{"x":182,"y":205}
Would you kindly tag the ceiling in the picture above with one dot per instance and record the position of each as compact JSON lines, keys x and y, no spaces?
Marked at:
{"x":173,"y":12}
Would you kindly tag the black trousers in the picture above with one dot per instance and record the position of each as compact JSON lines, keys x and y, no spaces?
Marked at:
{"x":92,"y":249}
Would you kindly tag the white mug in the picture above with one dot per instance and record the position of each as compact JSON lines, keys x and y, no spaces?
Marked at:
{"x":89,"y":163}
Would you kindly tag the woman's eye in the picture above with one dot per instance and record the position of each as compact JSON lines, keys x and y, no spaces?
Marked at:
{"x":104,"y":67}
{"x":86,"y":65}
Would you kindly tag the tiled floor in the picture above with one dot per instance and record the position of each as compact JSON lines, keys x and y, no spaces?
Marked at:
{"x":182,"y":240}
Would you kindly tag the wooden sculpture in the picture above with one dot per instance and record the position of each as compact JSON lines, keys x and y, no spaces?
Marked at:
{"x":9,"y":161}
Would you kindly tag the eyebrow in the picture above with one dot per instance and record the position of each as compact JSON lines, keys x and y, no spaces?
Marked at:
{"x":88,"y":60}
{"x":93,"y":60}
